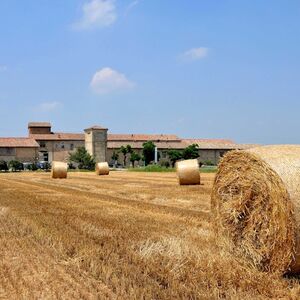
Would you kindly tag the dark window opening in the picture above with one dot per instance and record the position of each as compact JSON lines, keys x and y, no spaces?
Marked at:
{"x":46,"y":156}
{"x":222,"y":153}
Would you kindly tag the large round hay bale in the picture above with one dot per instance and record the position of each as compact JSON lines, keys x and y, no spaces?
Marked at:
{"x":102,"y":168}
{"x":256,"y":206}
{"x":59,"y":169}
{"x":188,"y":172}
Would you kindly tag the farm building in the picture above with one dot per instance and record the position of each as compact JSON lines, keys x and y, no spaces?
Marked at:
{"x":22,"y":149}
{"x":42,"y":144}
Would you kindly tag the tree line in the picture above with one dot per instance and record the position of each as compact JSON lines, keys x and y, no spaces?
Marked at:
{"x":84,"y":160}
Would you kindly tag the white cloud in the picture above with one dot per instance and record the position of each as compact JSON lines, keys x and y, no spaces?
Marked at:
{"x":49,"y":106}
{"x":108,"y":80}
{"x":194,"y":54}
{"x":97,"y":14}
{"x":3,"y":68}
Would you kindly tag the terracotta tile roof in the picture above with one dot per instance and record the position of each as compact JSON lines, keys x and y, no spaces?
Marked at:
{"x":143,"y":137}
{"x":162,"y":141}
{"x":247,"y":146}
{"x":181,"y":145}
{"x":95,"y":127}
{"x":214,"y":141}
{"x":221,"y":144}
{"x":39,"y":124}
{"x":18,"y":143}
{"x":139,"y":145}
{"x":57,"y":136}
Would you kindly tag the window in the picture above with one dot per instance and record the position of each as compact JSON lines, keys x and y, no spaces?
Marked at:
{"x":42,"y":144}
{"x":222,"y":153}
{"x":46,"y":156}
{"x":62,"y":146}
{"x":72,"y":146}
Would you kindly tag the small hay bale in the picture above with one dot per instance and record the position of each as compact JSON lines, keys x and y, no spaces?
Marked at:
{"x":102,"y":168}
{"x":188,"y":172}
{"x":59,"y":169}
{"x":256,"y":207}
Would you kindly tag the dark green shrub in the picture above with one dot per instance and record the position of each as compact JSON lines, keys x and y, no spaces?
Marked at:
{"x":124,"y":150}
{"x":174,"y":155}
{"x":148,"y":152}
{"x":208,"y":163}
{"x":47,"y":166}
{"x":3,"y":166}
{"x":15,"y":165}
{"x":164,"y":163}
{"x":71,"y":166}
{"x":191,"y":152}
{"x":134,"y":157}
{"x":34,"y":167}
{"x":83,"y":159}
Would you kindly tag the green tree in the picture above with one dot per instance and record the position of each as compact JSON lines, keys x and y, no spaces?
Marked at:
{"x":129,"y":149}
{"x":148,"y":152}
{"x":115,"y":157}
{"x":174,"y":155}
{"x":134,"y":157}
{"x":3,"y":165}
{"x":15,"y":165}
{"x":82,"y":158}
{"x":191,"y":152}
{"x":33,"y":167}
{"x":125,"y":150}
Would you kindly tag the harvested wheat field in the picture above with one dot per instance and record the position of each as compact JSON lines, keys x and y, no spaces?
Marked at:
{"x":123,"y":236}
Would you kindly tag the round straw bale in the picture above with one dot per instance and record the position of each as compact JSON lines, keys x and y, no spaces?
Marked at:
{"x":188,"y":172}
{"x":59,"y":169}
{"x":256,"y":206}
{"x":102,"y":168}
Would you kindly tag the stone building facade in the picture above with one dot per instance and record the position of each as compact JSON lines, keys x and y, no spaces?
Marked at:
{"x":96,"y":142}
{"x":22,"y":149}
{"x":42,"y":144}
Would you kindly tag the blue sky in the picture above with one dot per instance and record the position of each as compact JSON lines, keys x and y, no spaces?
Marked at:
{"x":197,"y":68}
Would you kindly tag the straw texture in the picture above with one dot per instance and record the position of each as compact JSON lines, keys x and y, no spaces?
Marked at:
{"x":188,"y":172}
{"x":256,"y":206}
{"x":102,"y":168}
{"x":59,"y":169}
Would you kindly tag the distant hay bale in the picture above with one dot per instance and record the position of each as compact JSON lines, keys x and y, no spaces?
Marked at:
{"x":188,"y":172}
{"x":59,"y":169}
{"x":102,"y":168}
{"x":256,"y":206}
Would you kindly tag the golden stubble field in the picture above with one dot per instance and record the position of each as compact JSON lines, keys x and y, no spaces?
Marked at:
{"x":123,"y":236}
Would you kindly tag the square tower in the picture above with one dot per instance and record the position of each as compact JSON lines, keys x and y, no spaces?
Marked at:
{"x":96,"y":142}
{"x":39,"y":128}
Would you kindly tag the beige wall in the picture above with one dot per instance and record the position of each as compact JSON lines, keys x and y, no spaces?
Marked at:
{"x":26,"y":154}
{"x":7,"y":158}
{"x":207,"y":155}
{"x":7,"y":153}
{"x":89,"y":142}
{"x":213,"y":155}
{"x":39,"y":130}
{"x":59,"y":150}
{"x":21,"y":154}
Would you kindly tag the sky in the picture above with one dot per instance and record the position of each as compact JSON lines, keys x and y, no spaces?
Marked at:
{"x":197,"y":68}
